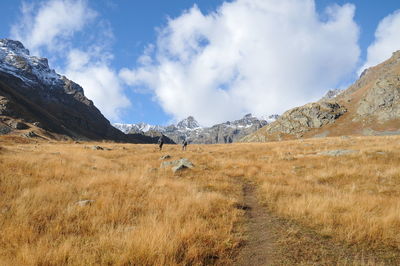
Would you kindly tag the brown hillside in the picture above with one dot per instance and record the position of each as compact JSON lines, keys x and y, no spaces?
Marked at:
{"x":371,"y":106}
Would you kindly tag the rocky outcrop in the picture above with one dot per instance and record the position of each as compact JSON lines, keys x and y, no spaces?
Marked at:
{"x":337,"y":152}
{"x":300,"y":120}
{"x":4,"y":129}
{"x":309,"y":116}
{"x":382,"y":101}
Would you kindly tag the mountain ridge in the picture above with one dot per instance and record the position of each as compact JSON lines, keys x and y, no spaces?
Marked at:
{"x":371,"y":106}
{"x":190,"y":129}
{"x":46,"y":104}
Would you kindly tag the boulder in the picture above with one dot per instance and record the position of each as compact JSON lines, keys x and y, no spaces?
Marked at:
{"x":85,"y":202}
{"x":4,"y":129}
{"x":18,"y":125}
{"x":337,"y":152}
{"x":99,"y":148}
{"x":30,"y":134}
{"x":164,"y":157}
{"x":178,"y":165}
{"x":37,"y":124}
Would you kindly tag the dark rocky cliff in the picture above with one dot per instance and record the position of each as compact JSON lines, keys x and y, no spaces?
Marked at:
{"x":33,"y":94}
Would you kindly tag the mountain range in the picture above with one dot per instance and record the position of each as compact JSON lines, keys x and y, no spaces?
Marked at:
{"x":191,"y":130}
{"x":35,"y":101}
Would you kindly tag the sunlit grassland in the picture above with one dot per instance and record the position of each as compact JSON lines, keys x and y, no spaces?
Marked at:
{"x":140,"y":214}
{"x":144,"y":215}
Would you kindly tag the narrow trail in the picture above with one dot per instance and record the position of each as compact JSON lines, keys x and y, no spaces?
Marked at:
{"x":258,"y":249}
{"x":271,"y":240}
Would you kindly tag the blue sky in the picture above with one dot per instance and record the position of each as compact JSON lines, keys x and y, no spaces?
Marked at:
{"x":159,"y":61}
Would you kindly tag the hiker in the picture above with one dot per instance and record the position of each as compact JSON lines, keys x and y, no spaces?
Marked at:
{"x":184,"y":144}
{"x":161,"y":142}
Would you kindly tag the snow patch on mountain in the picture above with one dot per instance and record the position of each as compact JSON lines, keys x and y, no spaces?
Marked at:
{"x":16,"y":60}
{"x":188,"y":124}
{"x":137,"y":128}
{"x":331,"y":94}
{"x":269,"y":118}
{"x":190,"y":129}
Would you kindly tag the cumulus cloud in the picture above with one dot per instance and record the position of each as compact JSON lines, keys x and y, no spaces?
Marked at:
{"x":248,"y":56}
{"x":100,"y":82}
{"x":387,"y":41}
{"x":49,"y":28}
{"x":51,"y":23}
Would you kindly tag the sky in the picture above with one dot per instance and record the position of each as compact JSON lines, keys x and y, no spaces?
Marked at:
{"x":160,"y":61}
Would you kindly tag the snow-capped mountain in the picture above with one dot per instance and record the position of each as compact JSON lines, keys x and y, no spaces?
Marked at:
{"x":138,"y":128}
{"x":16,"y":60}
{"x":36,"y":101}
{"x":191,"y":130}
{"x":64,"y":107}
{"x":188,"y":123}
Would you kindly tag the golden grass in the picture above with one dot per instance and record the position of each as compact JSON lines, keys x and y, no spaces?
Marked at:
{"x":143,"y":215}
{"x":353,"y":197}
{"x":140,"y":216}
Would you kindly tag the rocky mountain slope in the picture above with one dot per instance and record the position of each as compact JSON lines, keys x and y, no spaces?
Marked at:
{"x":371,"y":106}
{"x":190,"y":129}
{"x":35,"y":101}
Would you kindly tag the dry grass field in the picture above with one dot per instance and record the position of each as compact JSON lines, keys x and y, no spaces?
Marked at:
{"x":322,"y":209}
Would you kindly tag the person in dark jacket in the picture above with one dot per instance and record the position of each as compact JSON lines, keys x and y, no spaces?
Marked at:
{"x":161,"y":142}
{"x":184,"y":144}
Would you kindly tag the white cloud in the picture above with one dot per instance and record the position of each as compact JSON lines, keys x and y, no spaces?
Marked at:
{"x":248,"y":56}
{"x":100,"y":82}
{"x":50,"y":24}
{"x":387,"y":41}
{"x":50,"y":27}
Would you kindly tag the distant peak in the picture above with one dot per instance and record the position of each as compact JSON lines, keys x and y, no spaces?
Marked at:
{"x":189,"y":123}
{"x":16,"y":60}
{"x":269,"y":118}
{"x":249,"y":115}
{"x":14,"y":45}
{"x":330,"y":94}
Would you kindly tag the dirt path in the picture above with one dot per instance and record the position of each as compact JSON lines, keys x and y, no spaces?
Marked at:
{"x":259,"y":245}
{"x":276,"y":241}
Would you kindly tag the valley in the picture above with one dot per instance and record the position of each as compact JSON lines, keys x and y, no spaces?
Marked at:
{"x":323,"y":201}
{"x":199,"y":133}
